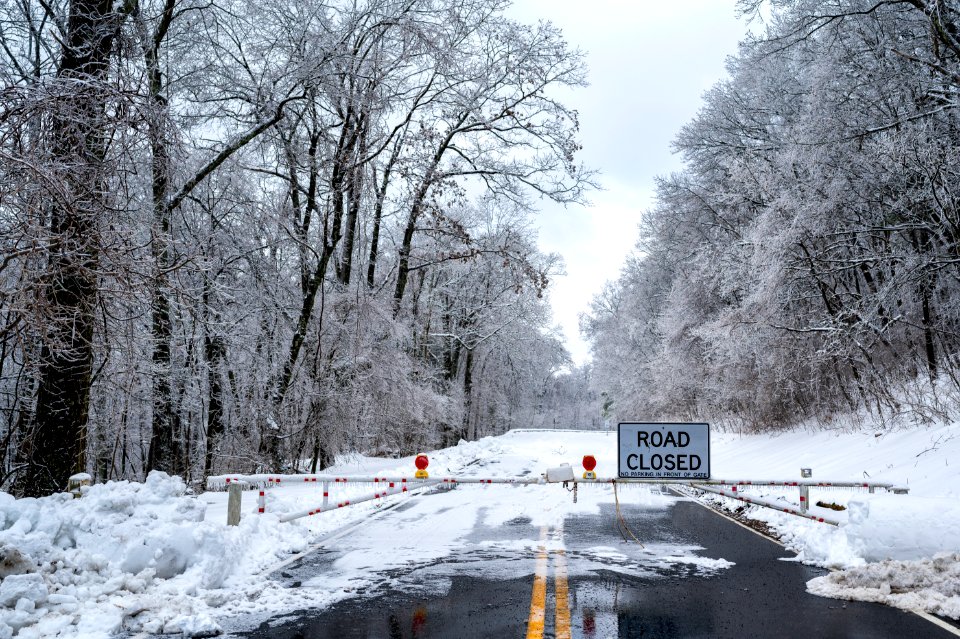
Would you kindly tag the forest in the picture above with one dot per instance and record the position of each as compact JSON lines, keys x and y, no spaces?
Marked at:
{"x":245,"y":236}
{"x":805,"y":262}
{"x":240,"y":236}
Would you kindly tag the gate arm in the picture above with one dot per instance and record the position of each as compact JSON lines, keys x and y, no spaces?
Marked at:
{"x":386,"y":492}
{"x":766,"y":503}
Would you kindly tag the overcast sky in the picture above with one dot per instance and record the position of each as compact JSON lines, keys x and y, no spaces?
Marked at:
{"x":650,"y":63}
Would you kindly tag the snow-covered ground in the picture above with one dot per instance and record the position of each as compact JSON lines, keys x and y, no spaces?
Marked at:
{"x":147,"y":557}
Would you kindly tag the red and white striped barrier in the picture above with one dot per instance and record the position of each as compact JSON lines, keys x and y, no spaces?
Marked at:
{"x":392,"y":489}
{"x":766,"y":503}
{"x":399,"y":484}
{"x":220,"y":482}
{"x":215,"y":482}
{"x":871,"y":486}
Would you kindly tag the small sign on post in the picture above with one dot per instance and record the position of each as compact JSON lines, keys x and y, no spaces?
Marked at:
{"x":663,"y":451}
{"x":75,"y":484}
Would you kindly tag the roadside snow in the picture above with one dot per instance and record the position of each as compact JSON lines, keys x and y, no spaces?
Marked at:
{"x":885,"y":547}
{"x":148,"y":557}
{"x":931,"y":585}
{"x":899,"y":550}
{"x":129,"y":556}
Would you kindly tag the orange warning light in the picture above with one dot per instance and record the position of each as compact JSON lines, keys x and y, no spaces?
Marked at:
{"x":589,"y":463}
{"x":421,"y":462}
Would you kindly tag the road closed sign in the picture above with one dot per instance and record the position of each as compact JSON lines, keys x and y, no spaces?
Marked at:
{"x":664,"y":451}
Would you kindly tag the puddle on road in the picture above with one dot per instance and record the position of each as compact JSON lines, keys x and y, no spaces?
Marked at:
{"x":614,"y":607}
{"x":595,"y":607}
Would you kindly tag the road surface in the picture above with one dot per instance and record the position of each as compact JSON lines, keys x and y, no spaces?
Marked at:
{"x":696,"y":574}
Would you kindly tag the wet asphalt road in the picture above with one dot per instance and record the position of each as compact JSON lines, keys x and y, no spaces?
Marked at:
{"x":632,"y":594}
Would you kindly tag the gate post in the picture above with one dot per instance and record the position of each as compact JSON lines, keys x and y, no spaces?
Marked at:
{"x":804,"y":498}
{"x":234,"y":493}
{"x":326,"y":494}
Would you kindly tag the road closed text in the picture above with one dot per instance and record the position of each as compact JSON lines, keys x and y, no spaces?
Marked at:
{"x":664,"y":451}
{"x":663,"y":462}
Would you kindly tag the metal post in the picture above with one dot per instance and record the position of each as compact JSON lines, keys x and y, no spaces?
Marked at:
{"x":262,"y":502}
{"x":234,"y":493}
{"x":804,"y":498}
{"x":326,"y":494}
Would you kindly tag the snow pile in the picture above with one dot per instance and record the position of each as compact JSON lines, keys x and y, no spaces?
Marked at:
{"x":126,"y":556}
{"x":903,"y":527}
{"x":897,"y":549}
{"x":931,"y":585}
{"x":815,"y":544}
{"x":877,"y":528}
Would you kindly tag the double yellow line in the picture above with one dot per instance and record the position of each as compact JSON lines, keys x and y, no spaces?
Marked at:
{"x":538,"y":600}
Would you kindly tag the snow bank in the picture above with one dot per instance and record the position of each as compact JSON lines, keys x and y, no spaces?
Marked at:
{"x":878,"y":528}
{"x":903,"y":527}
{"x":128,"y":556}
{"x":929,"y":585}
{"x":912,"y":544}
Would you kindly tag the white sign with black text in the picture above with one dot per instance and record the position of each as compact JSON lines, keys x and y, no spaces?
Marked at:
{"x":664,"y":451}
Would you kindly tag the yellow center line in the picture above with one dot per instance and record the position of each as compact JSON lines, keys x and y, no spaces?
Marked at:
{"x":563,"y":601}
{"x":538,"y":601}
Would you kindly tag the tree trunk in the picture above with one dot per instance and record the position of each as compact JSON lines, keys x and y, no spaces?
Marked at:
{"x":166,"y":445}
{"x":354,"y":194}
{"x":332,"y":229}
{"x":78,"y":133}
{"x":416,"y":208}
{"x":468,"y":392}
{"x":927,"y":321}
{"x":214,"y":352}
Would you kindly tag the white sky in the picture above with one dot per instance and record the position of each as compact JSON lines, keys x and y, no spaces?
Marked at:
{"x":650,"y":63}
